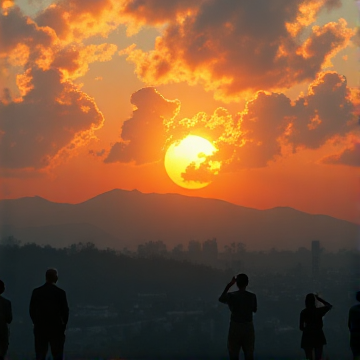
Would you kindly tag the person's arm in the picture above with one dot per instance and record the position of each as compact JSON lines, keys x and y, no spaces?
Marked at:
{"x":327,"y":306}
{"x":255,"y":304}
{"x":325,"y":303}
{"x":223,"y":297}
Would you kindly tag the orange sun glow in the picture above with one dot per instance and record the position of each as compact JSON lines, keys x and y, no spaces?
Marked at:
{"x":190,"y":150}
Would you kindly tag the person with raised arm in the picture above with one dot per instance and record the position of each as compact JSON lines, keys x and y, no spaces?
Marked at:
{"x":311,"y":324}
{"x":242,"y":305}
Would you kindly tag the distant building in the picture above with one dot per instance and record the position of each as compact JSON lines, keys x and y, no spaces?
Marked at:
{"x":315,"y":251}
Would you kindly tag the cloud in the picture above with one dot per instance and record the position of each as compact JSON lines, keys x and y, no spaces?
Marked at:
{"x":29,"y":43}
{"x":144,"y":134}
{"x":74,"y":61}
{"x":20,"y":35}
{"x":159,"y":11}
{"x":262,"y":124}
{"x":356,"y":38}
{"x":269,"y":124}
{"x":229,"y":46}
{"x":232,"y":46}
{"x":350,"y":157}
{"x":327,"y":111}
{"x":5,"y":4}
{"x":271,"y":121}
{"x":53,"y":119}
{"x":50,"y":118}
{"x":76,"y":20}
{"x":99,"y":153}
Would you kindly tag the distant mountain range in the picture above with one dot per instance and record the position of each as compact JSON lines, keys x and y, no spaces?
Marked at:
{"x":120,"y":218}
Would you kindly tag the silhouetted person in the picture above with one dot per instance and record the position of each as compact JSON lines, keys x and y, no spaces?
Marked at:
{"x":354,"y":327}
{"x":5,"y":320}
{"x":242,"y":305}
{"x":49,"y":312}
{"x":311,"y":324}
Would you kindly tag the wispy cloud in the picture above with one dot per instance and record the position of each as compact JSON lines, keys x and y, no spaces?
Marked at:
{"x":349,"y":157}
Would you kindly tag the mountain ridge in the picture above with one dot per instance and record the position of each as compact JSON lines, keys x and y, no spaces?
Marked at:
{"x":130,"y":217}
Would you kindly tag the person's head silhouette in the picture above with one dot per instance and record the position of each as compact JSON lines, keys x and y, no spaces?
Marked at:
{"x":51,"y":276}
{"x":2,"y":287}
{"x":310,"y":301}
{"x":242,"y":281}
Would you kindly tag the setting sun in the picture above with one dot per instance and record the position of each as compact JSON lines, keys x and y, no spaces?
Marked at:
{"x":192,"y":150}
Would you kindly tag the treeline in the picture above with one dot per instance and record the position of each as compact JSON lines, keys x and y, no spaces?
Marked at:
{"x":235,"y":256}
{"x":87,"y":272}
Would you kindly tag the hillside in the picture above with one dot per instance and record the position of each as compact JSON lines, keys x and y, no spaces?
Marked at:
{"x":121,"y":218}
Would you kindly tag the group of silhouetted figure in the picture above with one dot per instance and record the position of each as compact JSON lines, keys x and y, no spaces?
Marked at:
{"x":243,"y":304}
{"x":49,"y":312}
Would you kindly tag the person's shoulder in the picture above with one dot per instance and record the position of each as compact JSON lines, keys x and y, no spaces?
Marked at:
{"x":59,"y":290}
{"x":242,"y":294}
{"x":39,"y":289}
{"x":233,"y":295}
{"x":249,"y":293}
{"x":48,"y":288}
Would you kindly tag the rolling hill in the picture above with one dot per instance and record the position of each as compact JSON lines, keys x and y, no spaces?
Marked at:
{"x":120,"y":218}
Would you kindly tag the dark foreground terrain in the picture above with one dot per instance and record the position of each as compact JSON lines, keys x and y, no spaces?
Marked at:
{"x":146,"y":306}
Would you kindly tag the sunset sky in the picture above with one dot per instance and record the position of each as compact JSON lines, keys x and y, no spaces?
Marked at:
{"x":94,"y":92}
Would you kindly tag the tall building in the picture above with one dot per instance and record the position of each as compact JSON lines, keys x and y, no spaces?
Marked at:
{"x":315,"y":250}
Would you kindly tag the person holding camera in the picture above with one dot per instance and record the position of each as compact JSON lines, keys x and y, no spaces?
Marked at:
{"x":242,"y":305}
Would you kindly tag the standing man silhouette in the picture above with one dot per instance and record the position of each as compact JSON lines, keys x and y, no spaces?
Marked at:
{"x":242,"y":305}
{"x":354,"y":327}
{"x":5,"y":320}
{"x":49,"y":313}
